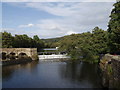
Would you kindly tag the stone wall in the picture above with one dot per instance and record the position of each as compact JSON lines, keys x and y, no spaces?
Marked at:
{"x":115,"y":65}
{"x":13,"y":54}
{"x":110,"y":71}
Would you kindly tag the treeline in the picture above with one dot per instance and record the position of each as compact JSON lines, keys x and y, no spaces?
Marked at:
{"x":52,"y":42}
{"x":86,"y":45}
{"x":90,"y":45}
{"x":21,"y":41}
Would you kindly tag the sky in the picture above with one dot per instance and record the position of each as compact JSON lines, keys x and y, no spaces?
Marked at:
{"x":54,"y":19}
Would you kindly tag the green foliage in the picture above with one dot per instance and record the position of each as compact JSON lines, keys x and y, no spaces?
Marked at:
{"x":21,"y":41}
{"x":52,"y":42}
{"x":7,"y":40}
{"x":87,"y":45}
{"x":38,"y":42}
{"x":114,"y":29}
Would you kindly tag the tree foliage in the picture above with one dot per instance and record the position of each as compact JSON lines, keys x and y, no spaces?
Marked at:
{"x":87,"y":45}
{"x":21,"y":41}
{"x":114,"y":30}
{"x":7,"y":40}
{"x":52,"y":42}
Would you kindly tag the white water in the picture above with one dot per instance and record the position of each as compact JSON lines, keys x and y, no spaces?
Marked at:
{"x":53,"y":56}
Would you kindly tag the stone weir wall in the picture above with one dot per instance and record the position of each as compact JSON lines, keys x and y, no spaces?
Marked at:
{"x":110,"y":71}
{"x":17,"y":55}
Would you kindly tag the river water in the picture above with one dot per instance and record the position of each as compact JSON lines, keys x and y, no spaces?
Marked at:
{"x":49,"y":74}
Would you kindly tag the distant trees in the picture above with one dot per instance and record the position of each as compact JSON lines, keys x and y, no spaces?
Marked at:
{"x":87,"y":45}
{"x":21,"y":41}
{"x":52,"y":42}
{"x":114,"y":30}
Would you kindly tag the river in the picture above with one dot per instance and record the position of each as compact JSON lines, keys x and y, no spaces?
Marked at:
{"x":49,"y":74}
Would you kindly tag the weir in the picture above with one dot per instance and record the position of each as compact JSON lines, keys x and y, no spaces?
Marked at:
{"x":53,"y":56}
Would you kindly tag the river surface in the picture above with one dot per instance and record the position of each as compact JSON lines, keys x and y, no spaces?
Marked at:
{"x":49,"y":74}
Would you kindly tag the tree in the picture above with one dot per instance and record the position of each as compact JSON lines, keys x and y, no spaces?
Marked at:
{"x":38,"y":42}
{"x":7,"y":40}
{"x":87,"y":45}
{"x":99,"y":38}
{"x":114,"y":29}
{"x":20,"y":41}
{"x":36,"y":38}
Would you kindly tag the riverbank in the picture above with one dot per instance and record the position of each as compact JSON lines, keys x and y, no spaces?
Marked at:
{"x":110,"y":71}
{"x":16,"y":61}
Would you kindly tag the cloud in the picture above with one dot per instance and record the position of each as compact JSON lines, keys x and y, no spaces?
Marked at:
{"x":55,"y":9}
{"x":70,"y":32}
{"x":76,"y":17}
{"x":7,"y":29}
{"x":71,"y":18}
{"x":48,"y":24}
{"x":70,"y":9}
{"x":27,"y":25}
{"x":59,"y":0}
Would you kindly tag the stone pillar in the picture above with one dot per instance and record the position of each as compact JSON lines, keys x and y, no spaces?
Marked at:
{"x":34,"y":54}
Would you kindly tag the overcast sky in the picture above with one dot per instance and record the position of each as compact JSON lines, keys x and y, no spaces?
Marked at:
{"x":54,"y":19}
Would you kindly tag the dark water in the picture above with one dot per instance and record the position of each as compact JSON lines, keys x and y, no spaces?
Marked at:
{"x":51,"y":75}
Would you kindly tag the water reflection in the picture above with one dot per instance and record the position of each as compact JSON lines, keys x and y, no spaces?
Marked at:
{"x":81,"y":72}
{"x":8,"y":71}
{"x":51,"y":75}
